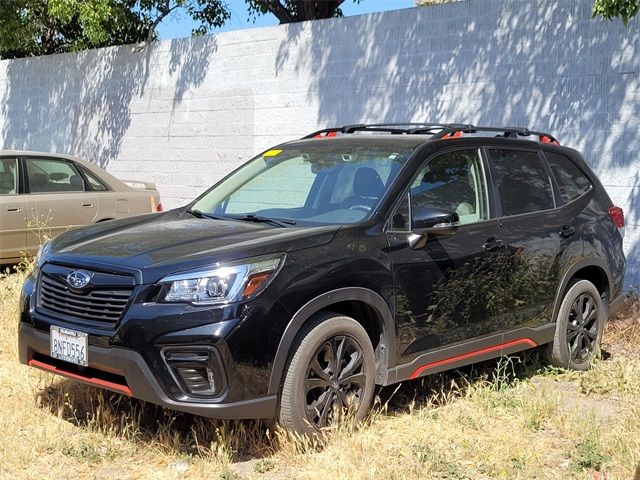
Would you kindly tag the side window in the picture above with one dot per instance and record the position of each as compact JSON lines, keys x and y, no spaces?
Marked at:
{"x":522,"y":181}
{"x":94,"y":182}
{"x":51,"y":175}
{"x":8,"y":176}
{"x":453,"y":181}
{"x":571,"y":181}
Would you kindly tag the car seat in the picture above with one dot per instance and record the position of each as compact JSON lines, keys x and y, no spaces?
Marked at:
{"x":367,"y":187}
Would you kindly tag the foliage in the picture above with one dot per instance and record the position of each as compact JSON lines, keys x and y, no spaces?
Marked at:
{"x":208,"y":13}
{"x":610,"y":9}
{"x":42,"y":27}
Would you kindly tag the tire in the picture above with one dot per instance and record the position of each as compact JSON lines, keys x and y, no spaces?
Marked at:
{"x":313,"y":388}
{"x":577,"y":339}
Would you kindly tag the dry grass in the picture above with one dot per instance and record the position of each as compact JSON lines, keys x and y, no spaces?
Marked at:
{"x":507,"y":419}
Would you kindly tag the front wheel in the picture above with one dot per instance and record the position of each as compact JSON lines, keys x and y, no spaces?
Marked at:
{"x":330,"y":374}
{"x":579,"y":327}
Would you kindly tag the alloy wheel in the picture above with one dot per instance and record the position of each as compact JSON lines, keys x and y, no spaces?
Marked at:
{"x":582,"y":328}
{"x":336,"y":380}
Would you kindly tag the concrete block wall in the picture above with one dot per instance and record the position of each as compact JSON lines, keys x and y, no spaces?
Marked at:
{"x":183,"y":113}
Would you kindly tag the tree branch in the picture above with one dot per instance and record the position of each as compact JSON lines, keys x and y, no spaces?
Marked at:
{"x":165,"y":10}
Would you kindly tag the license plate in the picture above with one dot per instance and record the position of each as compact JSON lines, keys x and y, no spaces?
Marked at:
{"x":69,"y":345}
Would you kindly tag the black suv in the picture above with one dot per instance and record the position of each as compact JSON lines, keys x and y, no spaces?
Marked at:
{"x":356,"y":256}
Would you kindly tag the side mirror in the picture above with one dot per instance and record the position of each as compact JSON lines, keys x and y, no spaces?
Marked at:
{"x":432,"y":221}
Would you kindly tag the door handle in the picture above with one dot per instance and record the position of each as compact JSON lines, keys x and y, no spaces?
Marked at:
{"x":14,"y":209}
{"x":87,"y":204}
{"x":567,"y":231}
{"x":493,"y":244}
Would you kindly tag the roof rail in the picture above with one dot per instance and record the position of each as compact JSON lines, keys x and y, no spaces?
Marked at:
{"x":506,"y":132}
{"x":438,"y":130}
{"x":393,"y":128}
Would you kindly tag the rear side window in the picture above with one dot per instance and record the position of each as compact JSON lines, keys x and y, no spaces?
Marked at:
{"x":94,"y":182}
{"x":571,"y":181}
{"x":522,"y":181}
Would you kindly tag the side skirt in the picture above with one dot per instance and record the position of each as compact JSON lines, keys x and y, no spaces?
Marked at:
{"x":472,"y":351}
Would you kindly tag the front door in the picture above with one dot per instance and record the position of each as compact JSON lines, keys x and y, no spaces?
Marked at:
{"x":444,"y":290}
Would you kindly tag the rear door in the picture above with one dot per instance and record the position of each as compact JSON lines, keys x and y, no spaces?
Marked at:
{"x":534,"y":233}
{"x":58,"y":198}
{"x":13,"y":210}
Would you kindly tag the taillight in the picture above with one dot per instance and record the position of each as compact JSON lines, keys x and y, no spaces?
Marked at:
{"x":155,"y":207}
{"x":617,"y":216}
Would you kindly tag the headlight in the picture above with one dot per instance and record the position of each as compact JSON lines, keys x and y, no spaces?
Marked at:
{"x":222,"y":284}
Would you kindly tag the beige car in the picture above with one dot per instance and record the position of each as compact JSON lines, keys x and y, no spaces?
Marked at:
{"x":42,"y":195}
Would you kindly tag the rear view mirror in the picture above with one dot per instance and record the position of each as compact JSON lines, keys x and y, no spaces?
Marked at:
{"x":432,"y":221}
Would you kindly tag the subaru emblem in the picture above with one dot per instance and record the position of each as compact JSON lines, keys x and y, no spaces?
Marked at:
{"x":78,"y":279}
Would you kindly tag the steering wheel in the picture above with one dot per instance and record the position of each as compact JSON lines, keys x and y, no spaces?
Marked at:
{"x":366,"y":208}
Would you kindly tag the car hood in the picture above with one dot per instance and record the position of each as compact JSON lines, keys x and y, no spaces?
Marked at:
{"x":155,"y":245}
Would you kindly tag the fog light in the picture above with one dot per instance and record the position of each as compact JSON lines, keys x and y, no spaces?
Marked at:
{"x":199,"y":381}
{"x":197,"y":370}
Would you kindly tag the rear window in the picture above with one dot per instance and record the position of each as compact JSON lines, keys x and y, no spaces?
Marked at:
{"x":94,"y":182}
{"x":522,"y":181}
{"x":572,"y":183}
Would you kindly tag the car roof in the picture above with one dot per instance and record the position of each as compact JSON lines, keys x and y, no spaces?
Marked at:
{"x":113,"y":182}
{"x":365,"y":140}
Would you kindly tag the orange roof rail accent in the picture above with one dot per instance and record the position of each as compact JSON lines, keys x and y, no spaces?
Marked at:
{"x":325,"y":134}
{"x":545,"y":139}
{"x":449,"y":136}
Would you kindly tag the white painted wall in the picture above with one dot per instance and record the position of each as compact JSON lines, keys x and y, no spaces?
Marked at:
{"x":183,"y":113}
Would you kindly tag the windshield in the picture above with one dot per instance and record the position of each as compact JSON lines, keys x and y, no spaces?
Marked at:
{"x":321,"y":183}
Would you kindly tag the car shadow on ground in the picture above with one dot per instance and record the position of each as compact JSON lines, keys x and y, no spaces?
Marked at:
{"x":182,"y":433}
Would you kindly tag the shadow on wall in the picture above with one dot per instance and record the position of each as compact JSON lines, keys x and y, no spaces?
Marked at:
{"x":544,"y":65}
{"x":82,"y":104}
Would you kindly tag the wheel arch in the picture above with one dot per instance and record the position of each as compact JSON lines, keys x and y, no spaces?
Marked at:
{"x":343,"y":301}
{"x":590,"y":268}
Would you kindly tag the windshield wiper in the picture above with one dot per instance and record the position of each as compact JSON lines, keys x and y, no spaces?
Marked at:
{"x":199,"y":214}
{"x":261,"y":219}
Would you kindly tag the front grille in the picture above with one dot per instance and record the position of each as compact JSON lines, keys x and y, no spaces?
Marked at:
{"x":101,"y":305}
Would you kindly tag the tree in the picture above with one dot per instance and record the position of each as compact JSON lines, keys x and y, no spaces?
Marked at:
{"x":289,"y":11}
{"x":610,"y":9}
{"x":41,"y":27}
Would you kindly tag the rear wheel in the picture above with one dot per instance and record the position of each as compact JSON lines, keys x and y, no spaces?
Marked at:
{"x":330,"y":374}
{"x":579,"y":327}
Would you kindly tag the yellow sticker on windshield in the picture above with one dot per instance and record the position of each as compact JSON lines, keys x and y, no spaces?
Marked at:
{"x":271,"y":153}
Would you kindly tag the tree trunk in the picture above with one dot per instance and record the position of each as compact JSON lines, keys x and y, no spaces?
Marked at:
{"x":300,"y":10}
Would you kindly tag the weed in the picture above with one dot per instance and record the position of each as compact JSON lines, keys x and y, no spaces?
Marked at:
{"x":265,"y":465}
{"x":590,"y":453}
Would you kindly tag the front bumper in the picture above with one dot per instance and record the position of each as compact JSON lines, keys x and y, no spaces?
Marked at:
{"x":125,"y":371}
